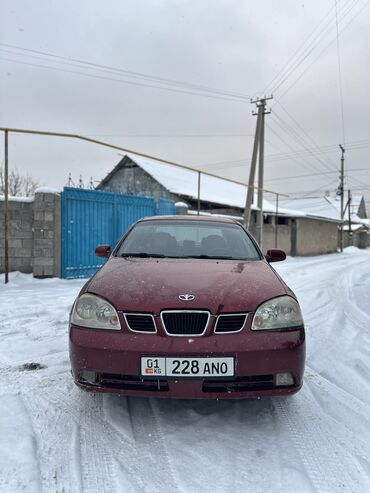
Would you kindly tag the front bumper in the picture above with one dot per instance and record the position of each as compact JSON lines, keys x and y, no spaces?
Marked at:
{"x":259,"y":356}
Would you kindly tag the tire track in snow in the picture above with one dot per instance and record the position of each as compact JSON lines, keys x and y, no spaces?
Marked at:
{"x":55,"y":438}
{"x":319,"y":452}
{"x":150,"y":446}
{"x":98,"y":469}
{"x":139,"y":461}
{"x":99,"y":450}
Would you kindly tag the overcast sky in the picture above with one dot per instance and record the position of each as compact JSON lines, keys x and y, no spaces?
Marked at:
{"x":235,"y":46}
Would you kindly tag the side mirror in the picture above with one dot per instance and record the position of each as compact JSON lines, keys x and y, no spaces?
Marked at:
{"x":102,"y":251}
{"x":275,"y":255}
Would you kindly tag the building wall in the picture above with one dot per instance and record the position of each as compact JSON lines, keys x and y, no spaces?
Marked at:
{"x":269,"y":237}
{"x":133,"y":180}
{"x":34,"y":235}
{"x":315,"y":237}
{"x":300,"y":237}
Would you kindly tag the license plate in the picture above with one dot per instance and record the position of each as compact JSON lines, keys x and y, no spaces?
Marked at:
{"x":187,"y":367}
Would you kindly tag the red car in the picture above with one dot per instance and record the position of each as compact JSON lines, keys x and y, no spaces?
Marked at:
{"x":187,"y":307}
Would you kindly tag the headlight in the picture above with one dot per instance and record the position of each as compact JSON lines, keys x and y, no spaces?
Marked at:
{"x":94,"y":312}
{"x":279,"y":313}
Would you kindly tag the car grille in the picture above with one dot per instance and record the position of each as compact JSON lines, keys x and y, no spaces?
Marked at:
{"x":140,"y":322}
{"x":131,"y":382}
{"x":240,"y":384}
{"x":230,"y":323}
{"x":185,"y":323}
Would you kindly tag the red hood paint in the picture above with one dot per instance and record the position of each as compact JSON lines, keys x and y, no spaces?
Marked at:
{"x":151,"y":285}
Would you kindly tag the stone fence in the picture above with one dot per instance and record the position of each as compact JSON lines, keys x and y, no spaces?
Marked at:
{"x":34,"y":234}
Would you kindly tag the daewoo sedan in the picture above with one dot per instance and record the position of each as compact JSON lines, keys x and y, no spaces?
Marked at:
{"x":187,"y":307}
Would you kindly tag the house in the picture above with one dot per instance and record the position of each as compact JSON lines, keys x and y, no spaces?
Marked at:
{"x":356,"y":225}
{"x":295,"y":229}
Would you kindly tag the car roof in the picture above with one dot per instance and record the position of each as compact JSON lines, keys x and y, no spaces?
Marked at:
{"x":217,"y":219}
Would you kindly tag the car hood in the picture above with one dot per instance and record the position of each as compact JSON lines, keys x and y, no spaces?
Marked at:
{"x":150,"y":285}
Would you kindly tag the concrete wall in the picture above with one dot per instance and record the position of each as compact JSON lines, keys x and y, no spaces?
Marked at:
{"x":47,"y":237}
{"x":315,"y":237}
{"x":301,"y":236}
{"x":34,"y":235}
{"x":20,"y":235}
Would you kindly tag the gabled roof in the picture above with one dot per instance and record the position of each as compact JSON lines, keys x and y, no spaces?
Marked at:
{"x":184,"y":182}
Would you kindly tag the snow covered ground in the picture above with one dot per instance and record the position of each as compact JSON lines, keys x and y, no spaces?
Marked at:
{"x":55,"y":438}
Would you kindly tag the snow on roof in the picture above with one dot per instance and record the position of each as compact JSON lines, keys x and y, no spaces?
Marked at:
{"x":314,"y":206}
{"x":327,"y":207}
{"x":215,"y":190}
{"x":354,"y":227}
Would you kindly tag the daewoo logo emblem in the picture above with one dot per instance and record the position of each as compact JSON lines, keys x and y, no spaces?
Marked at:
{"x":186,"y":297}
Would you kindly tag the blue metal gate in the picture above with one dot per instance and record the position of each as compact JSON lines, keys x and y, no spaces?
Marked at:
{"x":90,"y":218}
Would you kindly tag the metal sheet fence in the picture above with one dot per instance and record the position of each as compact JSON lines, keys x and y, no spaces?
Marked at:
{"x":90,"y":218}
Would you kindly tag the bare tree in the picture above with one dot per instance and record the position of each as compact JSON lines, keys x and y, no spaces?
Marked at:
{"x":19,"y":185}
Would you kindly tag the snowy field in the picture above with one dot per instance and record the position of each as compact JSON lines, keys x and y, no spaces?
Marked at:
{"x":55,"y":438}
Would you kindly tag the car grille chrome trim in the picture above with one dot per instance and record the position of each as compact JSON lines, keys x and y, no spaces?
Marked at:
{"x":185,"y":323}
{"x":230,"y":323}
{"x":140,"y":322}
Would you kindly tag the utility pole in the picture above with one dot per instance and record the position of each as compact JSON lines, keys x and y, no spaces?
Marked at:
{"x":252,"y":171}
{"x":258,"y":147}
{"x":349,"y":213}
{"x":341,"y":189}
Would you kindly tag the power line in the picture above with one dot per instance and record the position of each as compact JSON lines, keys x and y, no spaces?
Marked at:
{"x":314,"y":44}
{"x":79,"y":63}
{"x":308,"y":193}
{"x":322,"y":51}
{"x":126,"y":73}
{"x":307,"y":47}
{"x":303,"y":159}
{"x":339,"y":74}
{"x":124,"y":81}
{"x":308,"y":137}
{"x":297,"y":138}
{"x":299,"y":153}
{"x":309,"y":175}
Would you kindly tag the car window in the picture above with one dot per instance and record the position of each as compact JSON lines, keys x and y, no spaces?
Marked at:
{"x":188,"y":239}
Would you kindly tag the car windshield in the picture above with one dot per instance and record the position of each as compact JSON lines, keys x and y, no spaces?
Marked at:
{"x":188,"y":239}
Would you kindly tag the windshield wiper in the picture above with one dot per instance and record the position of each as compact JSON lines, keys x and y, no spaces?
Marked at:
{"x":221,"y":257}
{"x":144,"y":255}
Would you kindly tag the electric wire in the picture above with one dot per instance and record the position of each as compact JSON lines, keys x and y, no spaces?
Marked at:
{"x":281,"y":95}
{"x":340,"y":75}
{"x":309,"y":138}
{"x":297,"y":138}
{"x":302,"y":158}
{"x":79,"y":63}
{"x":304,"y":52}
